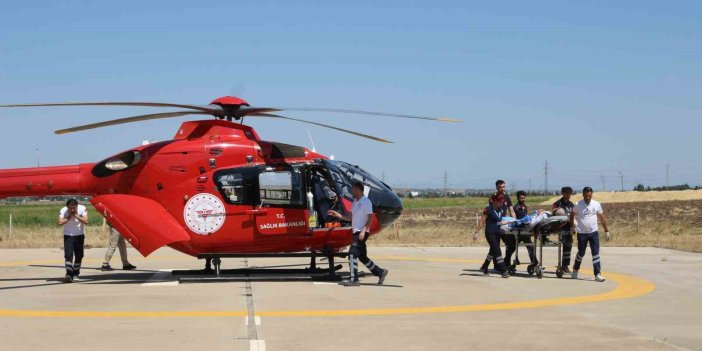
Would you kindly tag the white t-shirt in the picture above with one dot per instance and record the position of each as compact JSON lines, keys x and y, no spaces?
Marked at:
{"x":586,"y":216}
{"x":359,"y":213}
{"x":74,"y":227}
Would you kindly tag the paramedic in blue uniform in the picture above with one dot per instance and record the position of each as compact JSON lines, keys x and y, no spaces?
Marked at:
{"x":73,"y":219}
{"x":361,"y":218}
{"x":507,"y":210}
{"x":521,"y":210}
{"x":567,"y":206}
{"x":492,"y":219}
{"x":588,"y":211}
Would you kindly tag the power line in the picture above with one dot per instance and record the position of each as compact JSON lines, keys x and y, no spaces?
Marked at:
{"x":621,"y":176}
{"x":546,"y":176}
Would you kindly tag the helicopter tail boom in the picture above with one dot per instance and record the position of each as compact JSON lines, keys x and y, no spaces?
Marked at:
{"x":45,"y":181}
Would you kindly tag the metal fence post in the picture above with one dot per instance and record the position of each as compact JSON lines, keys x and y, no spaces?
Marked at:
{"x":9,"y":236}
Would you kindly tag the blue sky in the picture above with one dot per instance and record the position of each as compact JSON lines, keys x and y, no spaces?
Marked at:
{"x":593,"y":87}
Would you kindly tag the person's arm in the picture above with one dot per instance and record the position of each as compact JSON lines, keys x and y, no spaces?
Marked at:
{"x":344,"y":217}
{"x":571,"y":221}
{"x":366,"y":228}
{"x":82,"y":218}
{"x":601,"y":217}
{"x":481,"y":224}
{"x":62,"y":218}
{"x":511,"y":211}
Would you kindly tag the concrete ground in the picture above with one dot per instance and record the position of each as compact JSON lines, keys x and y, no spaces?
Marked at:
{"x":434,"y":299}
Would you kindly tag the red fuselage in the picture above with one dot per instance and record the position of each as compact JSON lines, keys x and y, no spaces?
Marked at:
{"x":215,"y":188}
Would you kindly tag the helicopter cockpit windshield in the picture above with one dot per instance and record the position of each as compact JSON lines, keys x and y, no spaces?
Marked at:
{"x":384,"y":200}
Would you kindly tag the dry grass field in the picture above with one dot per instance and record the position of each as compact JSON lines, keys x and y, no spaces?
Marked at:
{"x":425,"y":222}
{"x":668,"y":224}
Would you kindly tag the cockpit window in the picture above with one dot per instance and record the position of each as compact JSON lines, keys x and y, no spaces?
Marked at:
{"x":238,"y":185}
{"x":345,"y":175}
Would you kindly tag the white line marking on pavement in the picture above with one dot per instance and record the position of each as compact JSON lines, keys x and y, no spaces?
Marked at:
{"x":162,"y":278}
{"x":256,"y":318}
{"x":257,"y":345}
{"x":324,"y":283}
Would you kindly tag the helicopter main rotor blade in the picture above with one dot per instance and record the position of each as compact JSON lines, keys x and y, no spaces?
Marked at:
{"x":270,"y":115}
{"x":371,"y":113}
{"x":213,"y":109}
{"x":129,"y":120}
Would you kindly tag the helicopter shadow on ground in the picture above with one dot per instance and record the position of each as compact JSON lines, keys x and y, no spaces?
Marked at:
{"x":496,"y":274}
{"x":111,"y":277}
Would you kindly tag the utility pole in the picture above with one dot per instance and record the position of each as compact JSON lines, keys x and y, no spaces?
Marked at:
{"x":604,"y":188}
{"x":38,"y":163}
{"x":621,"y":176}
{"x":546,"y":176}
{"x":445,"y":183}
{"x":667,"y":175}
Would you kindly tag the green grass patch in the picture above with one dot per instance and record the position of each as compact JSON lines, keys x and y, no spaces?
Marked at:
{"x":40,"y":215}
{"x":469,"y":201}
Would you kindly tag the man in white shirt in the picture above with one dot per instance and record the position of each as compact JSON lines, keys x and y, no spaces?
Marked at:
{"x":73,"y":219}
{"x":361,"y":219}
{"x":588,"y":211}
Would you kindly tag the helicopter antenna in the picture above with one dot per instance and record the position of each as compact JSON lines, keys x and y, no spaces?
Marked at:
{"x":314,"y":148}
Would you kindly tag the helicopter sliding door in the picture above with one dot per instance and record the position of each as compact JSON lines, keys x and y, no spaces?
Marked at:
{"x":282,"y":195}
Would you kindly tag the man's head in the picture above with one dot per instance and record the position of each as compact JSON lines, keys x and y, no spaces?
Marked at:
{"x":500,"y":186}
{"x":521,"y":197}
{"x":567,"y":192}
{"x":358,"y":189}
{"x":497,"y":201}
{"x":72,"y":205}
{"x":587,"y":194}
{"x":330,"y":194}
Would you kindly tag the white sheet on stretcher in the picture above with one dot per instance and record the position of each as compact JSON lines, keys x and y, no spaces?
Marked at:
{"x":524,"y":225}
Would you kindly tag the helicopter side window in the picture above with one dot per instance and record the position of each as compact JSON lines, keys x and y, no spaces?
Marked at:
{"x":238,"y":185}
{"x":281,"y":188}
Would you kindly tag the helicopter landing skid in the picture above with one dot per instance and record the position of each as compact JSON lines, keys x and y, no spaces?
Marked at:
{"x":272,"y":273}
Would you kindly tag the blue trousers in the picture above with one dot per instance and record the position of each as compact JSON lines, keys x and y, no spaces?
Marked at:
{"x":594,"y":240}
{"x":495,"y":253}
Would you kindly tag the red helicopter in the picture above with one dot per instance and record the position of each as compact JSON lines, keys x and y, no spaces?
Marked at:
{"x":216,"y":189}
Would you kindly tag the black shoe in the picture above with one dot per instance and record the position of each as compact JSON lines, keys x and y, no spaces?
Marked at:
{"x":68,"y":279}
{"x":565,"y":269}
{"x":349,"y":282}
{"x":128,"y":267}
{"x":381,"y":277}
{"x":106,"y":267}
{"x":485,"y":271}
{"x":512,"y":270}
{"x":505,"y":275}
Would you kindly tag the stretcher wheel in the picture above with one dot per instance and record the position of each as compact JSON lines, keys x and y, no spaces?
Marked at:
{"x":530,"y":269}
{"x":559,"y":273}
{"x":539,"y":272}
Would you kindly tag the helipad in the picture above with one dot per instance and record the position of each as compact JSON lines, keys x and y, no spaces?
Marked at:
{"x":434,"y":298}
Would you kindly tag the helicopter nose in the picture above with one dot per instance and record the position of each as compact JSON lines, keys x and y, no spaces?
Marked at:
{"x":387,"y":206}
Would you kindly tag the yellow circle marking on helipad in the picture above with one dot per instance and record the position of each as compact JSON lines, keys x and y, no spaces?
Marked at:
{"x":627,"y":287}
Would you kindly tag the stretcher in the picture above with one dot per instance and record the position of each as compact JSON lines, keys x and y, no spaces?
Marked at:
{"x":538,"y":226}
